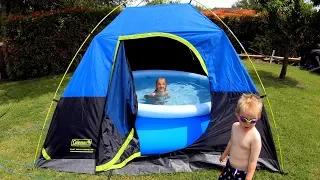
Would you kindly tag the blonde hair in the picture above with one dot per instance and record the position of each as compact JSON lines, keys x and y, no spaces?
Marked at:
{"x":249,"y":101}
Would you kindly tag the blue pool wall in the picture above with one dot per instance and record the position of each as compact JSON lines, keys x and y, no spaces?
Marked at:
{"x":166,"y":128}
{"x":163,"y":135}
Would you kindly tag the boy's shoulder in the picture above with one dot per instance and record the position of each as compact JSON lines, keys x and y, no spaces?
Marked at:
{"x":235,"y":124}
{"x":256,"y":135}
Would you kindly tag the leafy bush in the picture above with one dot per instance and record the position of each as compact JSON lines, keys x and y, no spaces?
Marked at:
{"x":248,"y":30}
{"x":256,"y":33}
{"x":44,"y":43}
{"x":249,"y":27}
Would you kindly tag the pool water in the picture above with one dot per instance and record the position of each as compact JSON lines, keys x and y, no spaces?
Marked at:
{"x":182,"y":90}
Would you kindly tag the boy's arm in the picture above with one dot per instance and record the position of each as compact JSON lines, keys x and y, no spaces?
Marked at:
{"x":226,"y":151}
{"x":254,"y":155}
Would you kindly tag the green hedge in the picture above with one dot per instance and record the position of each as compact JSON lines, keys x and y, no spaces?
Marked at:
{"x":250,"y":31}
{"x":44,"y":44}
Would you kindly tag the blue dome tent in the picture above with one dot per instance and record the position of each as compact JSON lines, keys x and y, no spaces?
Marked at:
{"x":93,"y":126}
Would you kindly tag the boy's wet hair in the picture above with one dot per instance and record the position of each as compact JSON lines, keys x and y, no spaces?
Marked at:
{"x":249,"y":101}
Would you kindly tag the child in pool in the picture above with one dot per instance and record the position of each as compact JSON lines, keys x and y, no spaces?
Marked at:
{"x":161,"y":87}
{"x":160,"y":93}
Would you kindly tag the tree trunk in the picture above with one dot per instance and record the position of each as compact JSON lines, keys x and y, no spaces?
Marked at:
{"x":3,"y":74}
{"x":285,"y":62}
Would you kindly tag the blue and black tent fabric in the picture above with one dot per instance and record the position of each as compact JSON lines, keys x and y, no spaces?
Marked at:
{"x":93,"y":126}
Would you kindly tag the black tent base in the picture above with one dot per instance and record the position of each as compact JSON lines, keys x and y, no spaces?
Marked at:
{"x":149,"y":165}
{"x":171,"y":164}
{"x":86,"y":166}
{"x":180,"y":163}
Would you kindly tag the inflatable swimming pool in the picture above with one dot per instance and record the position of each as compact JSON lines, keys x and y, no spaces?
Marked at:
{"x":181,"y":120}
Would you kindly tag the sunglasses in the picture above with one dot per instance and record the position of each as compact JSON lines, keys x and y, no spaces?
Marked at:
{"x":246,"y":120}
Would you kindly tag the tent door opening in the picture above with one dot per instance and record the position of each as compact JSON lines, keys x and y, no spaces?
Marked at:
{"x":161,"y":53}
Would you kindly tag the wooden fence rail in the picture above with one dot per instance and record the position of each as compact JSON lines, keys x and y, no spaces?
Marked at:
{"x":270,"y":58}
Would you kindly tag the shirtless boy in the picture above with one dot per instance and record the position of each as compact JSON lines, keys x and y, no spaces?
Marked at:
{"x":245,"y":144}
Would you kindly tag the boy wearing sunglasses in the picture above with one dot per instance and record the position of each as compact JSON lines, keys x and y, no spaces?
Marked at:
{"x":245,"y":144}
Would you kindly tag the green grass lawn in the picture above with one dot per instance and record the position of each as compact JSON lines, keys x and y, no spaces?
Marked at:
{"x":295,"y":102}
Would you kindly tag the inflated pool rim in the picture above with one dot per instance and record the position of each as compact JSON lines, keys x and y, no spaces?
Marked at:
{"x":171,"y":111}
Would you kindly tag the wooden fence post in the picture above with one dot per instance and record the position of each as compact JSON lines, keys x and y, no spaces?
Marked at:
{"x":271,"y":58}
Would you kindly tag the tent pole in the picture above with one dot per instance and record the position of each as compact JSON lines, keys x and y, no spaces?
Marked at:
{"x":264,"y":90}
{"x":46,"y":119}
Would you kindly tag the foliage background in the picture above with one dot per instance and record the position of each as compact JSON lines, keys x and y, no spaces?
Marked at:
{"x":44,"y":42}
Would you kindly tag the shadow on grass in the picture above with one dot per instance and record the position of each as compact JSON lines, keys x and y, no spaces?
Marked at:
{"x":271,"y":80}
{"x":14,"y":91}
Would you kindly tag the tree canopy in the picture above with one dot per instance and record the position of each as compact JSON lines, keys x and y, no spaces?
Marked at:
{"x":26,"y":6}
{"x":290,"y":19}
{"x":248,"y":4}
{"x":316,"y":2}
